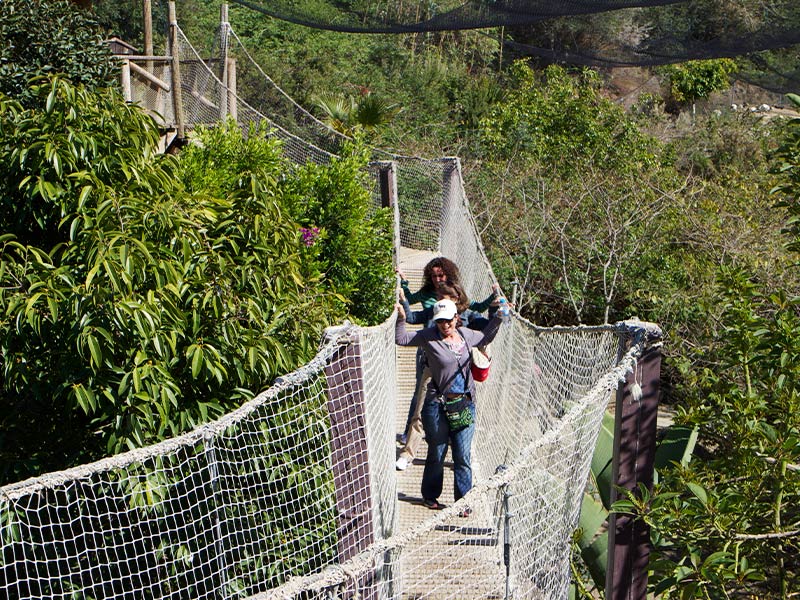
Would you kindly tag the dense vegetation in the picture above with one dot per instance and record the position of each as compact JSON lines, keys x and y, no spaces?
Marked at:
{"x":599,"y":213}
{"x":728,"y":520}
{"x":46,"y":38}
{"x":143,"y":294}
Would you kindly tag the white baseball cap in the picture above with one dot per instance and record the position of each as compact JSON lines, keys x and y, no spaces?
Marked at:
{"x":444,"y":310}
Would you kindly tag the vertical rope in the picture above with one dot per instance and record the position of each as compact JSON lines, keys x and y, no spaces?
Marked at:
{"x":219,"y":507}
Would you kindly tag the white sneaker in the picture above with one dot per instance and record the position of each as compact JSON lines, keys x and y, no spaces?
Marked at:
{"x":401,"y":464}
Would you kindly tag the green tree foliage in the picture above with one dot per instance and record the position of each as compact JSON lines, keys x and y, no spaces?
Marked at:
{"x":348,"y":241}
{"x":727,"y":217}
{"x":431,"y":76}
{"x":556,"y":119}
{"x":697,"y":79}
{"x":47,"y":37}
{"x":348,"y":115}
{"x":125,"y":20}
{"x":582,"y":195}
{"x":135,"y":307}
{"x":597,"y":219}
{"x":727,"y":523}
{"x":788,"y":167}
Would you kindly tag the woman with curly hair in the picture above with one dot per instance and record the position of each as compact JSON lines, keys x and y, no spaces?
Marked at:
{"x":438,"y":271}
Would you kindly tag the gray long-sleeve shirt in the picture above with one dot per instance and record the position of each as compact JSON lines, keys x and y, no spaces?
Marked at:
{"x":443,"y":363}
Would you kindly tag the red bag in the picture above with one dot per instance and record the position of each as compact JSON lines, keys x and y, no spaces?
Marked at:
{"x":481,"y":362}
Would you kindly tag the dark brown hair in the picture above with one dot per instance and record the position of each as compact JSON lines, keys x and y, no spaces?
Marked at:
{"x":445,"y":264}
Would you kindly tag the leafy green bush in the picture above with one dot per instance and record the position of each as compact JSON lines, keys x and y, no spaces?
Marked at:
{"x":597,"y":219}
{"x":584,"y":195}
{"x":346,"y":245}
{"x":788,"y":166}
{"x":352,"y":246}
{"x":46,"y":37}
{"x":126,"y":20}
{"x":697,"y":79}
{"x":563,"y":121}
{"x":726,"y":524}
{"x":135,"y":306}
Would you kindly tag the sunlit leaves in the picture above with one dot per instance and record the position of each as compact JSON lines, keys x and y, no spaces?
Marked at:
{"x":724,"y":524}
{"x":141,"y":294}
{"x":563,"y":122}
{"x":698,"y":79}
{"x":788,"y":167}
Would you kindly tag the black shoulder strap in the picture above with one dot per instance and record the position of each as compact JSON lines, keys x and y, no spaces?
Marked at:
{"x":468,"y":373}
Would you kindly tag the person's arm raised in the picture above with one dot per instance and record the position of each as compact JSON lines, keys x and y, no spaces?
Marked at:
{"x":403,"y":337}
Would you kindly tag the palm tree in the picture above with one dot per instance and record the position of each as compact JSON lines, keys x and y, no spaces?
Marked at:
{"x":346,"y":114}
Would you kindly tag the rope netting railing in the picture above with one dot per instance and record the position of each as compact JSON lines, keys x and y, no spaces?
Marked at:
{"x":233,"y":506}
{"x":207,"y":98}
{"x":532,"y":451}
{"x":420,"y":182}
{"x":301,"y":481}
{"x":295,"y":494}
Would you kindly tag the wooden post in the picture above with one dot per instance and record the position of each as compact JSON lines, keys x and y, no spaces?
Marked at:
{"x":175,"y":70}
{"x":223,"y":40}
{"x":232,"y":105}
{"x":349,"y":448}
{"x":388,"y":184}
{"x":147,"y":12}
{"x":350,"y":458}
{"x":387,"y":179}
{"x":450,"y":170}
{"x":634,"y":456}
{"x":386,"y":173}
{"x":125,"y":79}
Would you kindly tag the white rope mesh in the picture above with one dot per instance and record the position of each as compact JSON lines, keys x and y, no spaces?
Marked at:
{"x":234,"y":505}
{"x":295,"y":495}
{"x":202,"y":94}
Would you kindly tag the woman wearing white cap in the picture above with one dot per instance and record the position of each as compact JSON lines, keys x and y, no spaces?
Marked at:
{"x":448,"y":414}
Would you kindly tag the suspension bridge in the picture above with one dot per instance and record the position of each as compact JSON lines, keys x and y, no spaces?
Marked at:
{"x":295,"y":494}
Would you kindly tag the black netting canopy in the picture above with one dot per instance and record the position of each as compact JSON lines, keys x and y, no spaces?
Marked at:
{"x":765,"y":34}
{"x":395,"y":16}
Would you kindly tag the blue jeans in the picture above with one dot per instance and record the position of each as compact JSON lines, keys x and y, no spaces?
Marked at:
{"x":439,"y":436}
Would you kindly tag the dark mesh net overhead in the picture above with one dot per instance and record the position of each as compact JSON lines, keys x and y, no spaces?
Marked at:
{"x":393,"y":16}
{"x":606,"y":33}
